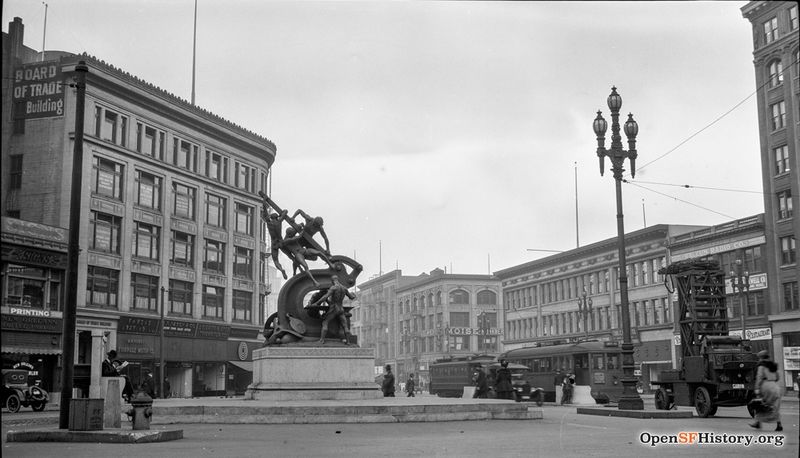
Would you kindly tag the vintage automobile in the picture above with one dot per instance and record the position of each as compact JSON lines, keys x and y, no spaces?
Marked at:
{"x":17,"y":393}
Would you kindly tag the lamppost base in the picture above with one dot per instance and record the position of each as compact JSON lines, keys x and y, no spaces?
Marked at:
{"x":631,"y":403}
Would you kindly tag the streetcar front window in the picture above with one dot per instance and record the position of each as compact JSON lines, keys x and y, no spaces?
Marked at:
{"x":613,"y":361}
{"x":598,"y":362}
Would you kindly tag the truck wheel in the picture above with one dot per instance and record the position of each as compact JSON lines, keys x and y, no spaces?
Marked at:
{"x":12,"y":403}
{"x":662,"y":400}
{"x":702,"y":402}
{"x":713,"y":411}
{"x":37,"y":406}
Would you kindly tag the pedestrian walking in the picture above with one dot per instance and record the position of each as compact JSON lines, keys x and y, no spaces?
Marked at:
{"x":769,"y":390}
{"x":481,"y":384}
{"x":167,"y":388}
{"x":388,"y":382}
{"x":410,"y":386}
{"x":502,"y":384}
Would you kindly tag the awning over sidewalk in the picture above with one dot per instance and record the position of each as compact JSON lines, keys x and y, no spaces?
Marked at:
{"x":32,"y":350}
{"x":244,"y":365}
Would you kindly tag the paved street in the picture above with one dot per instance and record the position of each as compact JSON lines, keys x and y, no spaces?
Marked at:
{"x":561,"y":433}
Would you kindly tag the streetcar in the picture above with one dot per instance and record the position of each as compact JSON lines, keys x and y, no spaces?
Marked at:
{"x":596,"y":364}
{"x":450,"y":376}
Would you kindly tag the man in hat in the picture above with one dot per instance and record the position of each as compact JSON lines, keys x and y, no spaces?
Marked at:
{"x":388,"y":383}
{"x":112,"y":367}
{"x":149,"y":385}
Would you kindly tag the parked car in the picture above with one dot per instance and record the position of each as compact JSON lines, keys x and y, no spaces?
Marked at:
{"x":17,"y":393}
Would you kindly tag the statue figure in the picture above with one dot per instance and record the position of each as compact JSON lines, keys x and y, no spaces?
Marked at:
{"x":335,"y":297}
{"x":297,"y":323}
{"x":274,"y":221}
{"x":295,"y":250}
{"x":312,"y":226}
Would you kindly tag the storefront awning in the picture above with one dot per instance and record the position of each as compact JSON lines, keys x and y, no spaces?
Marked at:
{"x":31,"y":350}
{"x":244,"y":365}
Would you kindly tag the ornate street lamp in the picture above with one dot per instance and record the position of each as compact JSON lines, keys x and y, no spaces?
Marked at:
{"x":630,"y":399}
{"x":741,"y":281}
{"x":585,"y":307}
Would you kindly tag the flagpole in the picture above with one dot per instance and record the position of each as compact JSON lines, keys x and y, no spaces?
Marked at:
{"x":44,"y":31}
{"x":577,"y":234}
{"x":194,"y":49}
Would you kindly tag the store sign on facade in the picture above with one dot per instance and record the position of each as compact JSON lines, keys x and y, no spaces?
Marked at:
{"x":38,"y":91}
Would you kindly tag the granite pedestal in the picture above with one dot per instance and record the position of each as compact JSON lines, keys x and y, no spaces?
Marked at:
{"x":293,"y":373}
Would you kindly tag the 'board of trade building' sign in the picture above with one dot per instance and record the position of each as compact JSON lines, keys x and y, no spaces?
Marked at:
{"x":38,"y":91}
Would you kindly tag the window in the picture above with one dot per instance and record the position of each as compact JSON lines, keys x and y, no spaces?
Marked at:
{"x":213,"y":302}
{"x":216,"y":208}
{"x":148,"y":190}
{"x":183,"y":200}
{"x":459,"y":296}
{"x":180,"y":297}
{"x":104,"y":231}
{"x":216,"y":167}
{"x":15,"y":172}
{"x":459,"y":320}
{"x":788,"y":250}
{"x":793,"y":18}
{"x":184,"y":154}
{"x":781,"y":159}
{"x":111,"y":126}
{"x":149,"y":141}
{"x":790,"y":299}
{"x":107,"y":178}
{"x":753,"y":260}
{"x":771,"y":30}
{"x":245,"y":177}
{"x":146,"y":240}
{"x":33,"y":287}
{"x":778,"y":115}
{"x":784,"y":204}
{"x":102,"y":286}
{"x":144,"y":290}
{"x":242,"y":306}
{"x":214,"y":256}
{"x":243,"y":262}
{"x":182,"y":248}
{"x":244,"y":218}
{"x":775,"y":73}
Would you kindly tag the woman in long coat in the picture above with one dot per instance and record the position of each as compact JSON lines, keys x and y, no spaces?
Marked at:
{"x":502,"y":384}
{"x":768,"y":387}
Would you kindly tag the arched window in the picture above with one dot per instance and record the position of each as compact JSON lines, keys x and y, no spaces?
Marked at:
{"x":438,"y":298}
{"x":775,"y":72}
{"x":430,"y":299}
{"x":487,"y":297}
{"x":459,"y":296}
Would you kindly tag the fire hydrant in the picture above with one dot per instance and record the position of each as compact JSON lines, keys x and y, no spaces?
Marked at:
{"x":141,"y":410}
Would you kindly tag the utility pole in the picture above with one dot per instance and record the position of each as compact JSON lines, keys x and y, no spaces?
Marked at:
{"x":71,"y":306}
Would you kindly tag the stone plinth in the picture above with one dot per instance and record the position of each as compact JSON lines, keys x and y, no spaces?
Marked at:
{"x":312,"y":373}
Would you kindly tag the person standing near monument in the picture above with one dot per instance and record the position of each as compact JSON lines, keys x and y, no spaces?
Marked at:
{"x":410,"y":386}
{"x":503,"y":385}
{"x":335,"y":297}
{"x":481,"y":384}
{"x":149,"y":385}
{"x":388,"y":383}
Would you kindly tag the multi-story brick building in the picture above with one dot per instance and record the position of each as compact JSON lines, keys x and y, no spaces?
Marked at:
{"x":169,"y":218}
{"x":776,"y":52}
{"x":413,"y":321}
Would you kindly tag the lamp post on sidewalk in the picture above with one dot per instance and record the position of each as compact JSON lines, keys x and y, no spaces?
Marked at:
{"x":162,"y":372}
{"x":585,"y":307}
{"x":630,"y":399}
{"x":740,"y":281}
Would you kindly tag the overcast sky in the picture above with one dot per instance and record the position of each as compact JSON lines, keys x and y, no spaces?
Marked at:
{"x":448,"y":133}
